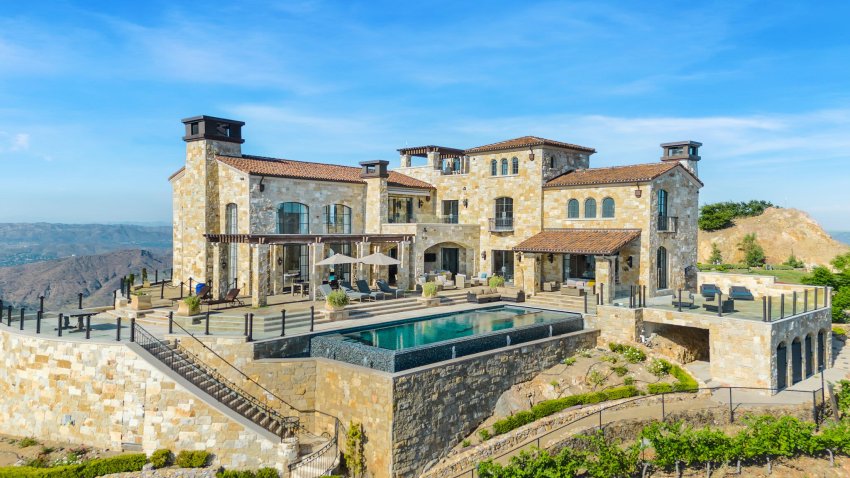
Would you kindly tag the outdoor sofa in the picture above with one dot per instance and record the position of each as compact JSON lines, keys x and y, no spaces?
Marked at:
{"x":482,"y":295}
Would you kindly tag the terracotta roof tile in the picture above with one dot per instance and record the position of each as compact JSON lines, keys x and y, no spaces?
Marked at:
{"x":578,"y":241}
{"x":613,"y":175}
{"x":286,"y":168}
{"x":526,"y":141}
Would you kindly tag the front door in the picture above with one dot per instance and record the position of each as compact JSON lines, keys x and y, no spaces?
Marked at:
{"x":503,"y":264}
{"x":449,"y":259}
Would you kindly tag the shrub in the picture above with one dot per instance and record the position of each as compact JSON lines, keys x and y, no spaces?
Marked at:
{"x":634,"y":355}
{"x":840,"y":303}
{"x":656,"y":388}
{"x":721,"y":215}
{"x":620,"y":370}
{"x":194,"y":303}
{"x":842,"y":396}
{"x":716,"y":257}
{"x":628,"y":380}
{"x":355,"y":459}
{"x":337,"y":299}
{"x":267,"y":473}
{"x":465,"y":443}
{"x":595,"y":378}
{"x":753,"y":252}
{"x":236,"y":474}
{"x":192,"y":459}
{"x":484,"y":434}
{"x":27,"y":442}
{"x":90,"y":469}
{"x":162,"y":458}
{"x":584,"y":353}
{"x":659,"y":367}
{"x":609,"y":358}
{"x":793,"y":262}
{"x":569,"y":361}
{"x":429,"y":289}
{"x":684,"y":380}
{"x":496,"y":281}
{"x":839,"y":332}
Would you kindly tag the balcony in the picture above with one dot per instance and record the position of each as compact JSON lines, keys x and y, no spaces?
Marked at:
{"x":448,"y":219}
{"x":668,"y":224}
{"x":501,"y":224}
{"x":400,"y":219}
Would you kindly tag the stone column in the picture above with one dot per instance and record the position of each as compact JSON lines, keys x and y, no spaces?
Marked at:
{"x":277,"y":270}
{"x":405,"y":161}
{"x":362,"y":249}
{"x":529,"y":273}
{"x":317,"y":273}
{"x":259,"y":275}
{"x":789,"y":362}
{"x":434,"y":159}
{"x":403,"y":276}
{"x":218,"y":289}
{"x":605,"y":276}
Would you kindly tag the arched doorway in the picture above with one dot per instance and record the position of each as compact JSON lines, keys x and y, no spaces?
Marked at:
{"x":661,"y":264}
{"x":781,"y":366}
{"x":796,"y":361}
{"x":810,"y":357}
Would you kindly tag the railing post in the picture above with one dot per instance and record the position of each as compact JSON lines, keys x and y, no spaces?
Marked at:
{"x":190,"y":286}
{"x":815,"y":409}
{"x":719,"y":304}
{"x":38,"y":316}
{"x":118,"y":329}
{"x":88,"y":327}
{"x":80,"y":300}
{"x":22,"y":318}
{"x":251,"y":327}
{"x":782,"y":307}
{"x":763,"y":309}
{"x":207,"y":324}
{"x":181,"y":289}
{"x":585,"y":303}
{"x":162,"y":290}
{"x":171,"y":322}
{"x":114,"y":298}
{"x":245,"y":325}
{"x":156,"y":275}
{"x":815,"y":290}
{"x":40,"y":303}
{"x":283,"y":322}
{"x":827,"y":296}
{"x":805,"y":301}
{"x":132,"y":329}
{"x":731,"y":408}
{"x":631,"y":297}
{"x":643,"y":295}
{"x":770,"y":308}
{"x":794,"y":304}
{"x":601,"y":294}
{"x":312,"y":317}
{"x":9,"y":316}
{"x":680,"y":300}
{"x":59,"y":329}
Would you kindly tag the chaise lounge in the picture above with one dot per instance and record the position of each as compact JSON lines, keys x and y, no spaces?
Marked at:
{"x":363,"y":288}
{"x":737,"y":292}
{"x":708,"y":291}
{"x":351,"y":293}
{"x":232,"y":297}
{"x":385,"y":288}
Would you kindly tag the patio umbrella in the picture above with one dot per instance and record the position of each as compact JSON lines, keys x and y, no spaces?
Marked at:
{"x":337,"y":259}
{"x":379,"y":259}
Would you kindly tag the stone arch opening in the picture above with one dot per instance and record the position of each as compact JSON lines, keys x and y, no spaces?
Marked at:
{"x":781,"y":366}
{"x":454,"y":257}
{"x":796,"y":361}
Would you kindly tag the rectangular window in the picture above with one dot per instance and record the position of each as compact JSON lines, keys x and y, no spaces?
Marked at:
{"x":195,"y":128}
{"x":450,"y":211}
{"x":676,"y":151}
{"x":401,"y":210}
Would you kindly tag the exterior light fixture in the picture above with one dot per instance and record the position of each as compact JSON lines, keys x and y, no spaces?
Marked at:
{"x":483,"y":255}
{"x":280,"y":261}
{"x":420,"y":203}
{"x":519,"y":256}
{"x":223,"y":264}
{"x":465,"y":202}
{"x":530,"y":154}
{"x":551,"y":258}
{"x":629,"y":261}
{"x":638,"y":192}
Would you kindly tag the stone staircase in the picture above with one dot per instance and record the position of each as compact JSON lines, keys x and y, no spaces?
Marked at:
{"x":556,"y":300}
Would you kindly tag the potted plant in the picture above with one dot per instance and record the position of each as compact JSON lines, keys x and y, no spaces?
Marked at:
{"x":496,"y":281}
{"x":140,"y":301}
{"x":189,"y":306}
{"x":335,"y":304}
{"x":429,"y":295}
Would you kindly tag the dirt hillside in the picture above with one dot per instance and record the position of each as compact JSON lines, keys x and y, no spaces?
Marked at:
{"x":779,"y":231}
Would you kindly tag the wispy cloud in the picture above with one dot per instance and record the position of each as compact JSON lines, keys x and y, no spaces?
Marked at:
{"x":14,"y":142}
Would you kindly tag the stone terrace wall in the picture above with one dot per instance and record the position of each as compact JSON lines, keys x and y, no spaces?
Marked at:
{"x":437,"y":406}
{"x":108,"y":396}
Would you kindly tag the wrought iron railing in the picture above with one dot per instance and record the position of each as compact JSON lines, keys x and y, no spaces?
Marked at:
{"x":192,"y":368}
{"x":321,"y":462}
{"x":449,"y":219}
{"x":668,"y":223}
{"x":501,"y":224}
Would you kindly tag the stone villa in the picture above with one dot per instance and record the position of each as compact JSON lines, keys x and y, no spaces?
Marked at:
{"x":530,"y":209}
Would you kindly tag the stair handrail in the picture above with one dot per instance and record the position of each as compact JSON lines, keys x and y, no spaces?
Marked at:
{"x":318,"y":454}
{"x":240,"y":372}
{"x":288,"y":423}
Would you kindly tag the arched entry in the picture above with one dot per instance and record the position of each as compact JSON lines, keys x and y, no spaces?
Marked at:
{"x":796,"y":361}
{"x":810,"y":357}
{"x":821,"y":351}
{"x":448,"y":256}
{"x":781,"y":366}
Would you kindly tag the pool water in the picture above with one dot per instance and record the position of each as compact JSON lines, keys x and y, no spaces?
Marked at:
{"x":441,"y":328}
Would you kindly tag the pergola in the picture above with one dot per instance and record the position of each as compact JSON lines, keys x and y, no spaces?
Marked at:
{"x":261,"y":268}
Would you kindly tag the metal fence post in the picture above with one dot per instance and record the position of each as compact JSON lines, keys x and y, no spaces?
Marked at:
{"x":585,"y":303}
{"x":171,"y":322}
{"x":60,"y":325}
{"x":80,"y":300}
{"x":794,"y":303}
{"x":162,"y":290}
{"x":312,"y":317}
{"x":245,"y":325}
{"x":251,"y":327}
{"x":283,"y":322}
{"x":118,"y":329}
{"x":207,"y":324}
{"x":805,"y":301}
{"x":132,"y":329}
{"x":40,"y":303}
{"x":22,"y":318}
{"x":644,"y":295}
{"x":181,"y":289}
{"x":88,"y":327}
{"x":770,"y":308}
{"x":156,"y":275}
{"x":763,"y":309}
{"x":720,"y":304}
{"x":816,"y":298}
{"x":815,"y":409}
{"x":38,"y":322}
{"x":601,"y":294}
{"x":731,"y":408}
{"x":680,"y":300}
{"x":9,"y":316}
{"x":782,"y":306}
{"x":190,"y":286}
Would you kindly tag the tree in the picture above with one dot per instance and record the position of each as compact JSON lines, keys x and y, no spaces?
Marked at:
{"x":716,"y":257}
{"x":355,"y":460}
{"x":722,"y":214}
{"x":753,"y":252}
{"x":792,"y":261}
{"x":840,"y":304}
{"x":841,"y":263}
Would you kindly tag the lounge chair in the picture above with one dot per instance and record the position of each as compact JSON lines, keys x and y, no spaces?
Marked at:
{"x":385,"y":288}
{"x":445,"y":283}
{"x":481,"y":279}
{"x":351,"y":293}
{"x":737,"y":292}
{"x":708,"y":291}
{"x":687,"y":301}
{"x":363,"y":288}
{"x":204,"y":292}
{"x":232,"y":297}
{"x":324,"y":290}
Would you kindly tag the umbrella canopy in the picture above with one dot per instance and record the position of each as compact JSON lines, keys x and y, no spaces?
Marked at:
{"x":337,"y":259}
{"x":379,"y":259}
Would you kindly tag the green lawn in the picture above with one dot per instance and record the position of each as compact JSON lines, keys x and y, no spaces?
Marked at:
{"x":789,"y":277}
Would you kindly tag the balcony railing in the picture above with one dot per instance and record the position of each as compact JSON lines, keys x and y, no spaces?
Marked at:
{"x":400,"y":218}
{"x":501,"y":224}
{"x":668,"y":224}
{"x":449,"y":219}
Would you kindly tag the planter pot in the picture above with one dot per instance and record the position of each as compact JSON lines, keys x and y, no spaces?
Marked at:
{"x":336,"y":315}
{"x":332,"y":308}
{"x":141,"y":302}
{"x":428,"y":301}
{"x":183,"y":309}
{"x":146,"y":284}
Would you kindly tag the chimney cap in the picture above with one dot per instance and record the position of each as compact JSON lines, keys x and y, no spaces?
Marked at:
{"x":376,"y":168}
{"x":213,"y":128}
{"x":681,"y":143}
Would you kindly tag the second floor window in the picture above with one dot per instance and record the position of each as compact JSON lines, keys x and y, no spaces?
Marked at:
{"x":515,"y":166}
{"x":504,"y":208}
{"x":572,"y":209}
{"x":607,"y":207}
{"x":494,"y":168}
{"x":590,"y":208}
{"x":450,"y":211}
{"x":338,"y":219}
{"x":662,"y":203}
{"x":504,"y":166}
{"x":293,"y":218}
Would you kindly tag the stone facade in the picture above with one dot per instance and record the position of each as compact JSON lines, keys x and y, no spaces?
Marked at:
{"x":109,"y":396}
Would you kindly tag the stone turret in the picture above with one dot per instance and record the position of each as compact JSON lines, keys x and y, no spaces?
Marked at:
{"x":684,"y":152}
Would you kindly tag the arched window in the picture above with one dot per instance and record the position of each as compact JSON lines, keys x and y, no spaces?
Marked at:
{"x":504,"y":166}
{"x":662,"y":203}
{"x":607,"y":207}
{"x":494,"y":168}
{"x":590,"y":208}
{"x":572,"y":209}
{"x":661,"y":265}
{"x":293,"y":218}
{"x":551,"y":162}
{"x":515,"y":165}
{"x":338,"y":219}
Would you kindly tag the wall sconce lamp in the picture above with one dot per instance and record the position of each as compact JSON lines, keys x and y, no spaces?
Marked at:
{"x":629,"y":261}
{"x":262,"y":186}
{"x":427,"y":198}
{"x":551,"y":258}
{"x":519,"y":256}
{"x":280,"y":261}
{"x":420,"y":203}
{"x":483,"y":255}
{"x":223,"y":264}
{"x":638,"y":192}
{"x":530,"y":154}
{"x":465,"y":203}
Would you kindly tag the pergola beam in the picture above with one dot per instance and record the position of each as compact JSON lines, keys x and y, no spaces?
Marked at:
{"x":303,"y":238}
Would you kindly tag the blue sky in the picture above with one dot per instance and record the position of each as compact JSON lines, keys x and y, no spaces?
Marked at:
{"x":91,"y":93}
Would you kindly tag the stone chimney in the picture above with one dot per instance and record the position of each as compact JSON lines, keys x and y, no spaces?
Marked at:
{"x":685,"y":153}
{"x":377,"y":201}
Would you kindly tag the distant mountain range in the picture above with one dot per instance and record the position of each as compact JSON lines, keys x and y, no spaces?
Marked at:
{"x":841,"y":236}
{"x":24,"y":243}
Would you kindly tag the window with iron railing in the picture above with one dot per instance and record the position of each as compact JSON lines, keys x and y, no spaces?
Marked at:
{"x":450,"y":212}
{"x":668,"y":223}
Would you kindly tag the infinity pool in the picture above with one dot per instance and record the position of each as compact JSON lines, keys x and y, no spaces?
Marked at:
{"x":419,"y":341}
{"x":451,"y":326}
